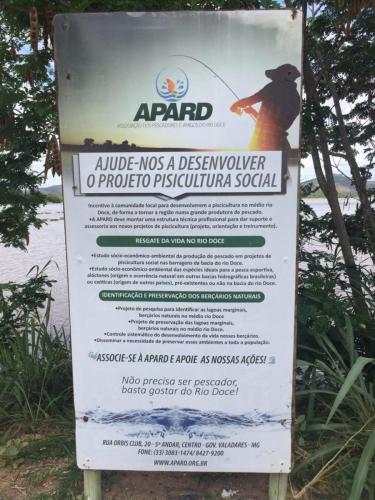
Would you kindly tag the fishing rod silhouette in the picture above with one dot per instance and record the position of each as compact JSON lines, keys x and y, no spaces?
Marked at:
{"x":248,"y":109}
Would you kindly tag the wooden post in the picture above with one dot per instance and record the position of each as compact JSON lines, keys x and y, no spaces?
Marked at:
{"x":92,"y":484}
{"x":278,"y":486}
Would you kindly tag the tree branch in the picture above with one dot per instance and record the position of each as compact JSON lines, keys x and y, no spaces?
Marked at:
{"x":359,"y":182}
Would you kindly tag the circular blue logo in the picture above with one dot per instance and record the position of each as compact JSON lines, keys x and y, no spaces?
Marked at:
{"x":172,"y":84}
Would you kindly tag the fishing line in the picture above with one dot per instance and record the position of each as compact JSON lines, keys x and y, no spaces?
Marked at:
{"x":210,"y":69}
{"x":214,"y":73}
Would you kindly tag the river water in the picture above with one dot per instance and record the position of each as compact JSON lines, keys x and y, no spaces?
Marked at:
{"x":48,"y":244}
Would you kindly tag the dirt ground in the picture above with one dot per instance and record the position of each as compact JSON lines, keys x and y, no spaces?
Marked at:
{"x":30,"y":480}
{"x":40,"y":481}
{"x":185,"y":486}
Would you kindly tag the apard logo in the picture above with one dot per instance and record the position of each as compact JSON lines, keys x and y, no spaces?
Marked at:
{"x":172,"y":84}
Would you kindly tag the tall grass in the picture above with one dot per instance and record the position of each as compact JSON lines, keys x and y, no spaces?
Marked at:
{"x":35,"y":360}
{"x":35,"y":376}
{"x":336,"y":425}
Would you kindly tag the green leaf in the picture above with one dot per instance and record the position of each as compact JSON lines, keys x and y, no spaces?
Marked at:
{"x":363,"y":467}
{"x":307,"y":392}
{"x":327,"y":427}
{"x":350,"y":379}
{"x":13,"y":451}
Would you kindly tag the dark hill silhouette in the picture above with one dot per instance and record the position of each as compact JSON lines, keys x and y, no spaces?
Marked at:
{"x":344,"y":186}
{"x":89,"y":146}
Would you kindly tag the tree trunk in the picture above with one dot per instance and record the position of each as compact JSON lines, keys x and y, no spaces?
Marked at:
{"x":359,"y":182}
{"x":329,"y":188}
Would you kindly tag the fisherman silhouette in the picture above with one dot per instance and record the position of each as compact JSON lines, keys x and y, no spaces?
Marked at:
{"x":280,"y":107}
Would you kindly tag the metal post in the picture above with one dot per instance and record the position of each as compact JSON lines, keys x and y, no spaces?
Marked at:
{"x":92,"y":484}
{"x":278,"y":486}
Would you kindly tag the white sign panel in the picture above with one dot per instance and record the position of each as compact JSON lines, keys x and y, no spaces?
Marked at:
{"x":176,"y":174}
{"x":180,"y":176}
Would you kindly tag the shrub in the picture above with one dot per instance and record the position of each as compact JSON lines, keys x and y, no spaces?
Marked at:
{"x":336,"y":424}
{"x":35,"y":360}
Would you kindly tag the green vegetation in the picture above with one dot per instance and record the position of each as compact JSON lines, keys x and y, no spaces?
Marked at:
{"x":53,"y":197}
{"x":35,"y":362}
{"x":338,"y":413}
{"x":36,"y":400}
{"x":335,"y":390}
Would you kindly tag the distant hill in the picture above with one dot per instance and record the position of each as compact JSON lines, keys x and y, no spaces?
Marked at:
{"x":56,"y":189}
{"x":53,"y":193}
{"x":343,"y":185}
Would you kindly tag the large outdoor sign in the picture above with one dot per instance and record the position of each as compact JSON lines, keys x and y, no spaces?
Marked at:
{"x":180,"y":136}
